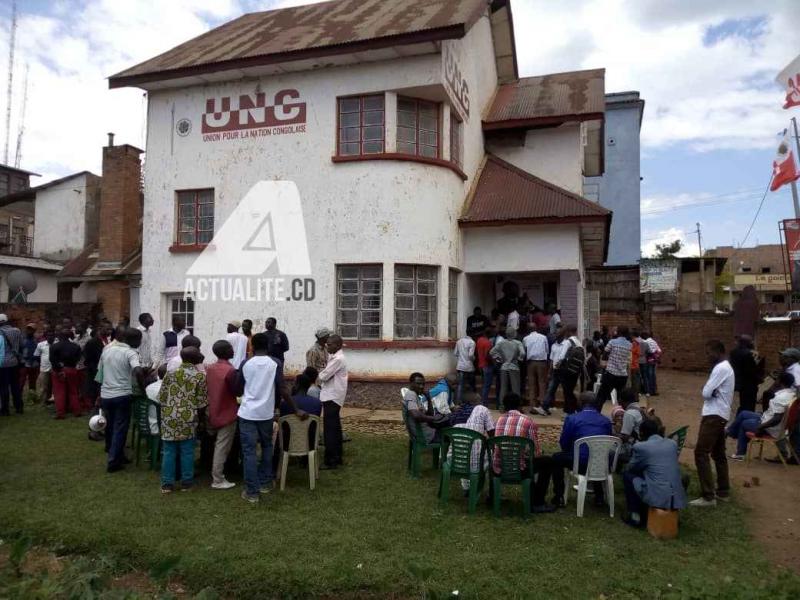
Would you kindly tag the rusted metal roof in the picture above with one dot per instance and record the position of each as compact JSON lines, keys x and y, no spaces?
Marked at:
{"x":335,"y":27}
{"x":505,"y":194}
{"x":548,"y":100}
{"x":78,"y":265}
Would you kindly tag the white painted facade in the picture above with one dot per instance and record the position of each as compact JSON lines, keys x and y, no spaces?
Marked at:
{"x":61,"y":219}
{"x":382,"y":212}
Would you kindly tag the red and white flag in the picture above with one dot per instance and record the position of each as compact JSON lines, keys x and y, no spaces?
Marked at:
{"x":784,"y":169}
{"x":789,"y":79}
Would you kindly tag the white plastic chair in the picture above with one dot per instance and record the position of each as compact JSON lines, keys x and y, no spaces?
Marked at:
{"x":299,"y":446}
{"x":597,"y":468}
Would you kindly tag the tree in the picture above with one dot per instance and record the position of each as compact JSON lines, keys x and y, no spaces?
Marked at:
{"x":668,"y":250}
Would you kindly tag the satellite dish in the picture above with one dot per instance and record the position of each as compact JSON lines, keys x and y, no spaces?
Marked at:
{"x":21,"y":283}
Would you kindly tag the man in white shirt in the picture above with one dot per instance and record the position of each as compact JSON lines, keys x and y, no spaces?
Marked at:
{"x":259,"y":380}
{"x":238,"y":341}
{"x":333,"y":389}
{"x":536,"y":351}
{"x":169,"y":343}
{"x":44,"y":383}
{"x":717,"y":401}
{"x":465,"y":364}
{"x":174,"y":363}
{"x":558,"y":349}
{"x":146,"y":347}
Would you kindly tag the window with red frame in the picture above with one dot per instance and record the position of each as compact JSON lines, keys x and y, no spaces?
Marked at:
{"x":195,"y":217}
{"x":361,"y":125}
{"x":418,"y":127}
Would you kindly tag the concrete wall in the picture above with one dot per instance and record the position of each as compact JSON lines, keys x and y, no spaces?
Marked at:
{"x":554,"y":154}
{"x":619,"y":188}
{"x":521,"y":248}
{"x":85,"y":292}
{"x":60,"y":221}
{"x":46,"y":285}
{"x":385,"y":212}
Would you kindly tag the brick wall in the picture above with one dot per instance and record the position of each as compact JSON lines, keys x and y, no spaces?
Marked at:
{"x":120,"y":204}
{"x":682,"y":337}
{"x":115,"y":298}
{"x":630,"y":319}
{"x":52,"y":312}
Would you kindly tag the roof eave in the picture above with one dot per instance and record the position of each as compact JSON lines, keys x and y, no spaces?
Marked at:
{"x":449,"y":32}
{"x":465,"y":224}
{"x":536,"y":122}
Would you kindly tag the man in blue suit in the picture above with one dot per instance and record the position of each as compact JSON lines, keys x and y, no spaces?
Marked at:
{"x":653,"y":477}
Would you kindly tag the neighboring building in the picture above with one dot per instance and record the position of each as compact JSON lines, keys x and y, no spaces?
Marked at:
{"x":618,"y":189}
{"x":763,"y":267}
{"x":428,"y":172}
{"x":675,"y":284}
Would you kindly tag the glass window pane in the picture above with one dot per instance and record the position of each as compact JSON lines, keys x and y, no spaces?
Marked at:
{"x":348,"y":287}
{"x":347,"y":273}
{"x":187,"y":238}
{"x":425,"y":331}
{"x":204,"y":237}
{"x":429,"y":123}
{"x":428,"y":109}
{"x":349,"y":149}
{"x":371,"y":272}
{"x":371,"y":287}
{"x":206,"y":210}
{"x":206,"y":196}
{"x":373,"y":117}
{"x":185,"y":197}
{"x":404,"y":272}
{"x":426,"y":302}
{"x":350,"y":134}
{"x":406,"y":302}
{"x":373,"y":147}
{"x":373,"y":133}
{"x":348,"y":331}
{"x":426,"y":273}
{"x":349,"y":120}
{"x":423,"y":317}
{"x":406,"y":148}
{"x":373,"y":102}
{"x":429,"y":152}
{"x":206,"y":224}
{"x":348,"y":301}
{"x":428,"y":138}
{"x":404,"y":134}
{"x":371,"y":317}
{"x":406,"y":104}
{"x":406,"y":119}
{"x":187,"y":211}
{"x":348,"y":317}
{"x":370,"y":332}
{"x":404,"y":331}
{"x":187,"y":224}
{"x":404,"y":317}
{"x":404,"y":287}
{"x":370,"y":302}
{"x":349,"y":105}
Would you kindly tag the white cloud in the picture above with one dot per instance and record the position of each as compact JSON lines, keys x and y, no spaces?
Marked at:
{"x":659,"y":204}
{"x":667,"y":236}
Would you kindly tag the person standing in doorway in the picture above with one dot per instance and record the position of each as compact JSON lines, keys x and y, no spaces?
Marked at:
{"x":508,"y":353}
{"x":238,"y":342}
{"x":146,"y":347}
{"x":476,"y":321}
{"x":278,"y":342}
{"x":119,"y":364}
{"x":554,"y":323}
{"x":465,"y":364}
{"x":11,"y":346}
{"x":317,"y":355}
{"x":169,"y":345}
{"x":536,"y":351}
{"x":717,"y":401}
{"x":333,"y":384}
{"x":745,"y":363}
{"x":618,"y":365}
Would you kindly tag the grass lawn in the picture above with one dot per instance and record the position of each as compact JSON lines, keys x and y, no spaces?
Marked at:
{"x":365,"y":531}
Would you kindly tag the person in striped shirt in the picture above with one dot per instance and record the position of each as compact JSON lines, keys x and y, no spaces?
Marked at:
{"x":514,"y":423}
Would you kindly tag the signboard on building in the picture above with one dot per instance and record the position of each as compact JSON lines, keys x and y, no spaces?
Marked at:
{"x":253,"y":115}
{"x":454,"y":80}
{"x":657,"y":275}
{"x":771,"y":280}
{"x":791,"y":232}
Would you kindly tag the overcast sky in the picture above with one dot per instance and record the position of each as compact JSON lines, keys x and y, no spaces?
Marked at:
{"x":705,"y":68}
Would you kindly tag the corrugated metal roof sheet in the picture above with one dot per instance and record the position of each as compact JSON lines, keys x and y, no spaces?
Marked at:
{"x":260,"y":38}
{"x":79,"y":264}
{"x":577,"y":94}
{"x":505,"y":193}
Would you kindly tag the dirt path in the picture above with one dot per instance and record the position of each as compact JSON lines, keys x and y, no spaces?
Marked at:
{"x":775,"y":517}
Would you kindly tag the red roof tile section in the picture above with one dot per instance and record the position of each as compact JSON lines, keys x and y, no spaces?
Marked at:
{"x":507,"y":194}
{"x":309,"y":31}
{"x":548,"y":99}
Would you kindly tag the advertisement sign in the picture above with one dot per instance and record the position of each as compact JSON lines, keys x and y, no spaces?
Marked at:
{"x":656,"y":275}
{"x":791,"y":231}
{"x":771,"y":280}
{"x":253,"y":115}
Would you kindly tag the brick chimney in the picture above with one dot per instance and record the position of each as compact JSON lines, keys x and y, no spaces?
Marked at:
{"x":120,"y":203}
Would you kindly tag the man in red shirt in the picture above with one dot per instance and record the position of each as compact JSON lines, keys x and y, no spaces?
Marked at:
{"x":485,"y":364}
{"x":222,"y":409}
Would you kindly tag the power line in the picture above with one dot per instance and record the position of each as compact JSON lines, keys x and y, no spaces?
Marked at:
{"x":758,"y":212}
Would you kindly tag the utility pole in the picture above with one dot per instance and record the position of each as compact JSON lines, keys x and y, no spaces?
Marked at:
{"x":11,"y":44}
{"x":702,"y":269}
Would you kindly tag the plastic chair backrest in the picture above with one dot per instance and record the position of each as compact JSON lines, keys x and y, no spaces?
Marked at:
{"x":511,"y":451}
{"x":600,"y":447}
{"x":679,"y":436}
{"x":300,"y":442}
{"x":461,"y":442}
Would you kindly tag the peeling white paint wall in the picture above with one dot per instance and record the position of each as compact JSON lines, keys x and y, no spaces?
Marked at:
{"x":60,"y":220}
{"x":521,"y":248}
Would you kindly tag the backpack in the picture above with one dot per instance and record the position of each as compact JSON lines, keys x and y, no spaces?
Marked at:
{"x":573,"y":361}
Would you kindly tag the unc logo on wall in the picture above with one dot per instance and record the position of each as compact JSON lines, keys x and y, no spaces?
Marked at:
{"x":183,"y":127}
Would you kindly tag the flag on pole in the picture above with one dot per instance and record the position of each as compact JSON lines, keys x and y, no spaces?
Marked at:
{"x":789,"y":79}
{"x":784,"y":169}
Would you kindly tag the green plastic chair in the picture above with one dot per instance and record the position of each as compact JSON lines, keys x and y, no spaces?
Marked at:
{"x":679,"y":435}
{"x":143,"y":436}
{"x":459,"y":442}
{"x":417,"y":446}
{"x":511,"y":449}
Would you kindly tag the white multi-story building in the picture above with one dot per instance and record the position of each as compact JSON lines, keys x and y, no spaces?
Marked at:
{"x":429,"y":173}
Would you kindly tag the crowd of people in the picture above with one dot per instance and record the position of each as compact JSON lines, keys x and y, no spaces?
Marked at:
{"x":236,"y":397}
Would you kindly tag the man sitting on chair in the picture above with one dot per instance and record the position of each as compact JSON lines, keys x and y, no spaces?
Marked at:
{"x":421,"y":410}
{"x":653,"y":477}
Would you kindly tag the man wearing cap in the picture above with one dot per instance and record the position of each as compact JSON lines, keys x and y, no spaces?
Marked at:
{"x":11,"y":345}
{"x":317,"y":355}
{"x":238,"y":341}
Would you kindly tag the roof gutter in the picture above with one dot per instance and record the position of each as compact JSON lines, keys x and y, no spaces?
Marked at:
{"x":533,"y":123}
{"x":464,"y":224}
{"x":417,"y":37}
